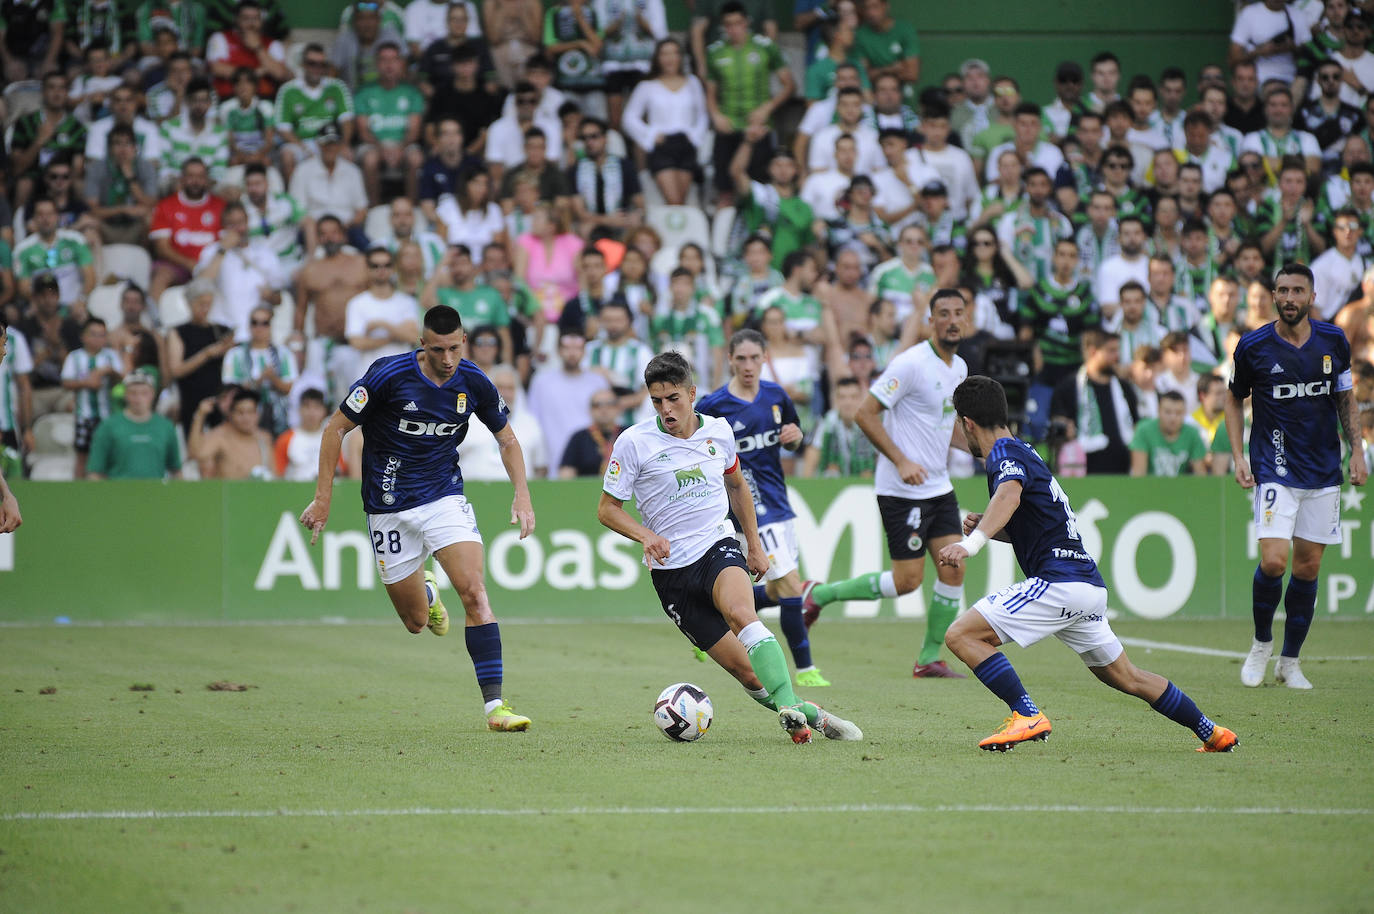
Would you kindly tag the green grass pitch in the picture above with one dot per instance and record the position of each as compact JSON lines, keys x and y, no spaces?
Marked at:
{"x":356,"y":775}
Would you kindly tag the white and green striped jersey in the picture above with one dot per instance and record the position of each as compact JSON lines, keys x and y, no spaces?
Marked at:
{"x":304,"y":110}
{"x":247,"y":127}
{"x":279,"y":222}
{"x":801,"y":313}
{"x":91,"y":404}
{"x":625,"y":362}
{"x":64,"y":258}
{"x":244,"y":363}
{"x":695,"y":333}
{"x":432,"y":247}
{"x":181,"y":141}
{"x":18,"y":360}
{"x":893,"y":281}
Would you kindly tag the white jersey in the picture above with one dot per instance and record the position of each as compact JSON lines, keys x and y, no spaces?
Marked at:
{"x":917,"y":388}
{"x":677,"y":484}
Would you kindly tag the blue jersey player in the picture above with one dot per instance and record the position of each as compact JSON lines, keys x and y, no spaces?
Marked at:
{"x":414,"y":410}
{"x":765,"y":422}
{"x":1296,"y":372}
{"x":1062,"y":595}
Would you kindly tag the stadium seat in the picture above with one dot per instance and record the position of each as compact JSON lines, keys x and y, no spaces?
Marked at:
{"x":54,"y":468}
{"x":677,"y":225}
{"x":283,"y":316}
{"x":54,"y":433}
{"x":720,"y":231}
{"x":172,"y":307}
{"x":378,"y":222}
{"x":127,"y":261}
{"x":104,"y":302}
{"x":653,"y":197}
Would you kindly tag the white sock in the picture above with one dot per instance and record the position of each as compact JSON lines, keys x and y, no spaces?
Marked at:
{"x":492,"y":705}
{"x":953,"y":592}
{"x":752,"y":634}
{"x":806,"y":669}
{"x":431,"y":593}
{"x":887,"y":585}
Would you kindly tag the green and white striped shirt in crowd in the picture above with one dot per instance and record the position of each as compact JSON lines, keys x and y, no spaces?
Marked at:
{"x":18,"y":360}
{"x":180,"y":141}
{"x":801,"y":314}
{"x":91,"y":404}
{"x":845,"y":449}
{"x":892,"y":280}
{"x":625,"y":362}
{"x":279,"y":222}
{"x":247,"y":127}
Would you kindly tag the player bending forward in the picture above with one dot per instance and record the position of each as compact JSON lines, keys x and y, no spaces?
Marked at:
{"x":764,"y":421}
{"x":1063,"y":594}
{"x":683,"y":473}
{"x":414,"y":410}
{"x":1296,"y":372}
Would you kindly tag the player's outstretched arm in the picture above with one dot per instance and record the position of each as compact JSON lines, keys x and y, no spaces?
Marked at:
{"x":1235,"y":433}
{"x":611,"y":514}
{"x":870,"y":422}
{"x":1003,"y":505}
{"x":742,"y":506}
{"x":316,"y":514}
{"x":521,"y":508}
{"x":1349,"y":414}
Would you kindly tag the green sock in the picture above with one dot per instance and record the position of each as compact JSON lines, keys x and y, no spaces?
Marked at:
{"x":940,"y":617}
{"x":770,"y":665}
{"x":864,"y":587}
{"x":763,"y":698}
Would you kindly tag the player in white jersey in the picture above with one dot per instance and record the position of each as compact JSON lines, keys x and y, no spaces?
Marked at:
{"x":682,"y":470}
{"x":9,"y":505}
{"x":915,"y":497}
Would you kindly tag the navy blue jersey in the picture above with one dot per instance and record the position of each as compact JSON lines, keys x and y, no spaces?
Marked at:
{"x":1295,"y":423}
{"x":1043,"y":531}
{"x":756,"y":426}
{"x":412,"y":428}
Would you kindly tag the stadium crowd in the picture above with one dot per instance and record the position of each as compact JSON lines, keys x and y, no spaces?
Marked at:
{"x":210,"y":231}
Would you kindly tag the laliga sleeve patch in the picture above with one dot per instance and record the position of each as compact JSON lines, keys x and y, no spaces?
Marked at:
{"x":357,"y":399}
{"x":612,"y":471}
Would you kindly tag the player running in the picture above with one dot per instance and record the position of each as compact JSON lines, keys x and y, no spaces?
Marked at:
{"x":1297,"y":373}
{"x":10,"y":518}
{"x":1063,"y":594}
{"x":764,"y":421}
{"x":414,"y":410}
{"x":683,"y":472}
{"x":915,"y":497}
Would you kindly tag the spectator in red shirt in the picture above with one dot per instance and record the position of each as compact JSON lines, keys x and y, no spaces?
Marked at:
{"x":182,"y":225}
{"x":245,"y":45}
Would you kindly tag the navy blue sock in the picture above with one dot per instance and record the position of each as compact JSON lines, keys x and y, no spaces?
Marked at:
{"x":1265,"y":594}
{"x":761,"y":598}
{"x":1179,"y":708}
{"x":795,"y":630}
{"x":1300,"y":604}
{"x":998,"y":675}
{"x":484,"y":647}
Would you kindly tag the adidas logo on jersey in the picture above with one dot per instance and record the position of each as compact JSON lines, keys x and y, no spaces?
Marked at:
{"x":1277,"y":369}
{"x":739,"y":426}
{"x":411,"y":407}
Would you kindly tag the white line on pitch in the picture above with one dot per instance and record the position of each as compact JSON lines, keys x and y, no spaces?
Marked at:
{"x":1209,"y":651}
{"x":118,"y":814}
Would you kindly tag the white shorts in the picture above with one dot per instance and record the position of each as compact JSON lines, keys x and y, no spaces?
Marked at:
{"x":780,"y":542}
{"x":1310,"y":514}
{"x":404,"y":540}
{"x":1075,"y":612}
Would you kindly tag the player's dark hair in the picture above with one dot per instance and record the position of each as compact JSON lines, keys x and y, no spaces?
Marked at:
{"x":982,"y":400}
{"x":1361,"y":168}
{"x":1293,"y":268}
{"x":314,"y":395}
{"x":668,"y":368}
{"x":1197,"y":118}
{"x":1172,"y":395}
{"x":1028,"y":108}
{"x":943,"y":294}
{"x":734,"y":6}
{"x":681,"y":273}
{"x":443,"y":320}
{"x":747,"y":335}
{"x":1104,"y":57}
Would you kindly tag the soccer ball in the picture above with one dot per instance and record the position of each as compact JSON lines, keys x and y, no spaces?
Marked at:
{"x":683,"y":712}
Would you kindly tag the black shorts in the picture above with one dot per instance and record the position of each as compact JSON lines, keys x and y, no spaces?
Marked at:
{"x":676,"y":151}
{"x":911,"y":522}
{"x":84,"y":432}
{"x":686,"y":592}
{"x":622,"y":81}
